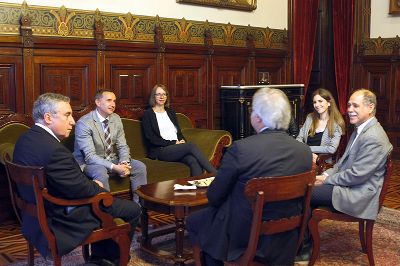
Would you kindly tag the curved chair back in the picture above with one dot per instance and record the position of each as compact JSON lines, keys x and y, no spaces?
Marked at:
{"x":365,"y":226}
{"x":21,"y":185}
{"x":29,"y":193}
{"x":388,"y":174}
{"x":264,"y":190}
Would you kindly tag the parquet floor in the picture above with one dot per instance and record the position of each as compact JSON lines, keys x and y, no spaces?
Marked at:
{"x":13,"y":246}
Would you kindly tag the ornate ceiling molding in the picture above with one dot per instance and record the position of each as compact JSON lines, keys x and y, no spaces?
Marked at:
{"x":72,"y":23}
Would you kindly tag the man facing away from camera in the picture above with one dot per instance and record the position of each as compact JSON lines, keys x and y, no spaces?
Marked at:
{"x":222,"y":230}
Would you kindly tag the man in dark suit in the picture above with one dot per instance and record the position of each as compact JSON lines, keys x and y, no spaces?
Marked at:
{"x":41,"y":146}
{"x":222,"y":230}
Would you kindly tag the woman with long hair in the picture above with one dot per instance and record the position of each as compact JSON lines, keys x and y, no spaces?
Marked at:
{"x":323,"y":127}
{"x":164,"y":138}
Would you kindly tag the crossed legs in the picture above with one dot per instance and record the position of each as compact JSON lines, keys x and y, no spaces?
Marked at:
{"x":189,"y":154}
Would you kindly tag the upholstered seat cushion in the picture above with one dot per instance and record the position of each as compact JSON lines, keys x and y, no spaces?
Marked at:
{"x":156,"y":171}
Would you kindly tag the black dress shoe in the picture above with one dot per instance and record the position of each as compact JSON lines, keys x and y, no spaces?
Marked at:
{"x":304,"y":255}
{"x":106,"y":262}
{"x":96,"y":260}
{"x":93,"y":260}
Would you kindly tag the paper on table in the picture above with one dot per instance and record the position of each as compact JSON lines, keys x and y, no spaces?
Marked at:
{"x":201,"y":183}
{"x":183,"y":187}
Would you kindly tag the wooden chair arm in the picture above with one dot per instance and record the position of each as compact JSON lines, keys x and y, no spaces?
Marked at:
{"x":322,"y":165}
{"x":322,"y":157}
{"x":104,"y":197}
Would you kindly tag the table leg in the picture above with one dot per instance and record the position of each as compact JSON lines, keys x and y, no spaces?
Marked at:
{"x":179,"y":235}
{"x":144,"y":220}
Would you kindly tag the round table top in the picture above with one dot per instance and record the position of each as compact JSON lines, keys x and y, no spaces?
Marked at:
{"x":163,"y":193}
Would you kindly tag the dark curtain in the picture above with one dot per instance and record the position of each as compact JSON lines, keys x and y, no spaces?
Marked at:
{"x":305,"y":18}
{"x":343,"y":25}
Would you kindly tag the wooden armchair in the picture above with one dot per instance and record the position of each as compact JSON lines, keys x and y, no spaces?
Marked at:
{"x":365,"y":226}
{"x":261,"y":191}
{"x":322,"y":159}
{"x":34,"y":177}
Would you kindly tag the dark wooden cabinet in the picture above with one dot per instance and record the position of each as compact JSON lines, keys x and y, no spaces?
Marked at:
{"x":236,"y":103}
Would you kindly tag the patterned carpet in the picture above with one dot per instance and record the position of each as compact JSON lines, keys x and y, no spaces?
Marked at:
{"x":341,"y":245}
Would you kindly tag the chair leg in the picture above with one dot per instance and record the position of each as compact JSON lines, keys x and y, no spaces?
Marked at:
{"x":361,"y":232}
{"x":197,"y":255}
{"x":31,"y":255}
{"x":124,"y":244}
{"x":368,"y":234}
{"x":57,"y":260}
{"x":313,"y":227}
{"x":85,"y":252}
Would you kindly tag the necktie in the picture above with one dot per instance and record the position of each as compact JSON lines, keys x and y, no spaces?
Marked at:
{"x":107,"y":137}
{"x":354,"y":137}
{"x":349,"y":145}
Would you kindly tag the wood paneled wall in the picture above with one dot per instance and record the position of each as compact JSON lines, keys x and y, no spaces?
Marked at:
{"x":78,"y":54}
{"x":78,"y":68}
{"x":382,"y":75}
{"x":376,"y":66}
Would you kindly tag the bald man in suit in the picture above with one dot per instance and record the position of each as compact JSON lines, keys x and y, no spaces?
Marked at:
{"x":353,"y":185}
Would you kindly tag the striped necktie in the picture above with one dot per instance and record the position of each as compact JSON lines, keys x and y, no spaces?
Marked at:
{"x":107,"y":137}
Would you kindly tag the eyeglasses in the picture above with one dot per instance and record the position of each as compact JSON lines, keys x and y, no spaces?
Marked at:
{"x":161,"y":94}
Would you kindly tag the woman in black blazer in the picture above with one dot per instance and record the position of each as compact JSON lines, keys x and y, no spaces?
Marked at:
{"x":164,"y":138}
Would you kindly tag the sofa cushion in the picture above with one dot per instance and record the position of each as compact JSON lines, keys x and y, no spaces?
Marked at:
{"x":156,"y":171}
{"x":161,"y":170}
{"x":133,"y":135}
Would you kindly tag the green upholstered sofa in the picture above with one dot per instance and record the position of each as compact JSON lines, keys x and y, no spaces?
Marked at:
{"x":11,"y":127}
{"x":211,"y":142}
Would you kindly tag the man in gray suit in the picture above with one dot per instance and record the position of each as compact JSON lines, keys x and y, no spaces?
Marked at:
{"x":100,"y":145}
{"x":353,"y":185}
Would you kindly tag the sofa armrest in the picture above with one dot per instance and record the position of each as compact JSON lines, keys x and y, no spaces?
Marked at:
{"x":6,"y":150}
{"x":210,"y":142}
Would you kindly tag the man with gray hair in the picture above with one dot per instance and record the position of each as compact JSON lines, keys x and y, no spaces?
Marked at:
{"x":353,"y":184}
{"x":41,"y":146}
{"x":222,"y":230}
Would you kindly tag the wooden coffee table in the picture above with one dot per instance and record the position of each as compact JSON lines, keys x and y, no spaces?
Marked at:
{"x":161,"y":197}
